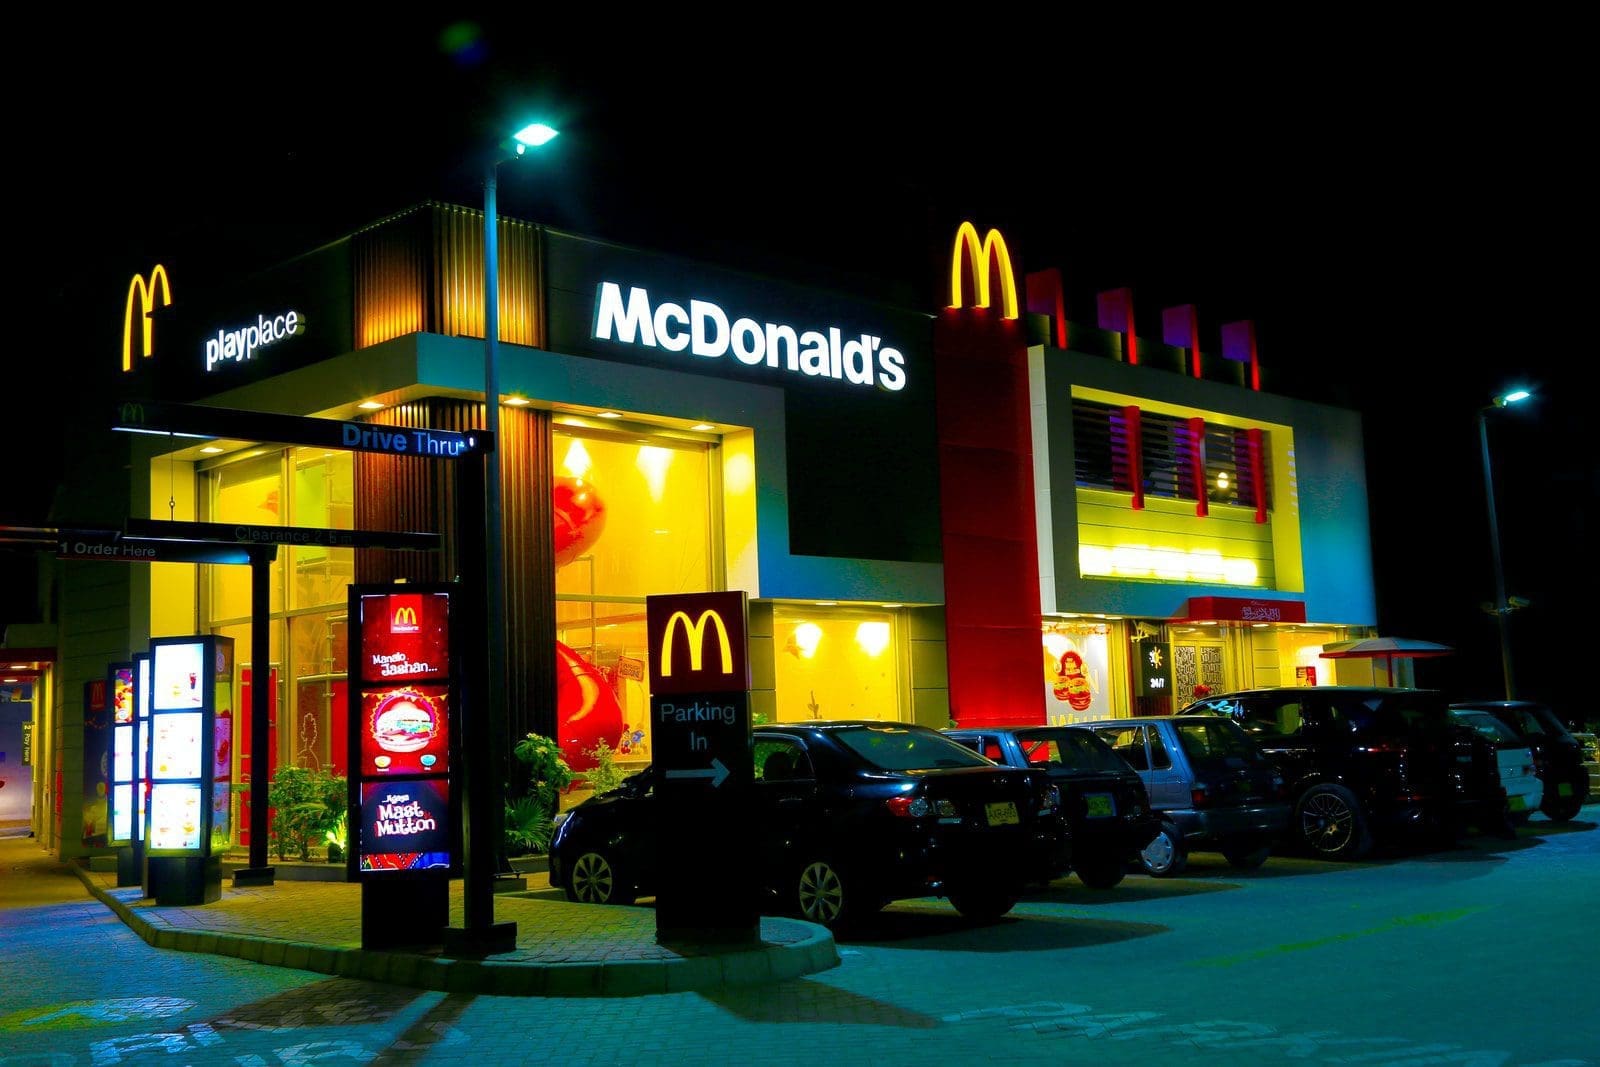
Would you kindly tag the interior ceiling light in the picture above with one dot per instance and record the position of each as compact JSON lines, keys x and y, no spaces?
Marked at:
{"x":873,"y":637}
{"x":702,"y":426}
{"x":369,"y":405}
{"x":608,"y":415}
{"x":517,"y":401}
{"x":211,"y":450}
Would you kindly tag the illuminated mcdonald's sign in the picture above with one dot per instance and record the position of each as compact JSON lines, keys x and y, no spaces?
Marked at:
{"x":985,"y":256}
{"x":406,"y":610}
{"x":145,"y":293}
{"x":710,"y":655}
{"x":695,"y":631}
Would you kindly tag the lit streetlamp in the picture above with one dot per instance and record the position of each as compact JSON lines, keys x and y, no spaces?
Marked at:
{"x":1501,"y":609}
{"x":478,"y":889}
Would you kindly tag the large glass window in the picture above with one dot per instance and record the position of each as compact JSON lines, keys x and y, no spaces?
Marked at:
{"x":835,"y":663}
{"x":634,"y":517}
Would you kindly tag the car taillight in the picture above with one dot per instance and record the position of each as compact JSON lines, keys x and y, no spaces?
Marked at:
{"x":907,"y":807}
{"x":1198,"y":796}
{"x":1383,"y":746}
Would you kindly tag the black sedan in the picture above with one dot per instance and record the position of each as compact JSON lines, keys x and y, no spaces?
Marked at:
{"x":1102,"y":797}
{"x":1557,"y":756}
{"x":849,"y":816}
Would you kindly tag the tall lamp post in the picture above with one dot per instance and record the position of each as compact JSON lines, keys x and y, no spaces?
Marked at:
{"x":479,"y":900}
{"x":1501,"y":609}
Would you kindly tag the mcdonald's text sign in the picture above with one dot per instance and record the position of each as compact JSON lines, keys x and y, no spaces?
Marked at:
{"x":697,"y":643}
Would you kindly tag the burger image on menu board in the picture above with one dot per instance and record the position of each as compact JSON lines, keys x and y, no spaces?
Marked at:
{"x":404,"y":721}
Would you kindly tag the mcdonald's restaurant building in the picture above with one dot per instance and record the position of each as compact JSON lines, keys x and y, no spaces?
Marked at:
{"x":985,"y":514}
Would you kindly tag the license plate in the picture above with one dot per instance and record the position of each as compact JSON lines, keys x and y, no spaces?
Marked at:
{"x":1564,"y":789}
{"x":1100,"y":805}
{"x":1518,"y":803}
{"x":1002,"y":813}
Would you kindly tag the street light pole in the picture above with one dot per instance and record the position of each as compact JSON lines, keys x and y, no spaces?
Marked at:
{"x":1501,"y":611}
{"x":1502,"y":607}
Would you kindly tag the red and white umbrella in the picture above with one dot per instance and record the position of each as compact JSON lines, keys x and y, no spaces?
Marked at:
{"x":1387,"y":649}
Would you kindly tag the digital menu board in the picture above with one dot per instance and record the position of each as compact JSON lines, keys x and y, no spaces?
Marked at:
{"x":175,"y":745}
{"x":405,"y":825}
{"x":401,"y":699}
{"x":179,"y":676}
{"x":141,"y":771}
{"x":175,"y":816}
{"x":121,"y":812}
{"x":122,"y":694}
{"x":122,"y":738}
{"x":405,"y":730}
{"x":125,"y":767}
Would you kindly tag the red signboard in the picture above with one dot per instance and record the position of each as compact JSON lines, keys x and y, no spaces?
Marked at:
{"x":1243,"y":609}
{"x":405,"y":637}
{"x":697,"y":643}
{"x":405,"y":730}
{"x":405,"y":825}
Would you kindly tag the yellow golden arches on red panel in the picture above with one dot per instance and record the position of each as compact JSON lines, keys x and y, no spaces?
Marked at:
{"x":985,"y":256}
{"x":145,"y":292}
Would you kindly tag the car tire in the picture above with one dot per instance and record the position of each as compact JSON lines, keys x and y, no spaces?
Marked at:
{"x":983,"y":903}
{"x":1100,"y":872}
{"x":1165,"y":856}
{"x":827,"y":895}
{"x":595,"y":879}
{"x":1246,"y":857}
{"x":1331,"y":823}
{"x":1561,"y":809}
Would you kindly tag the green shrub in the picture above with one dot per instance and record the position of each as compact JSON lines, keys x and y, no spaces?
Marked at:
{"x":306,"y":803}
{"x":529,"y":827}
{"x":529,"y":820}
{"x":605,"y":775}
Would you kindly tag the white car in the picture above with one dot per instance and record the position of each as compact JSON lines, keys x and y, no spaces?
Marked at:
{"x":1523,"y":788}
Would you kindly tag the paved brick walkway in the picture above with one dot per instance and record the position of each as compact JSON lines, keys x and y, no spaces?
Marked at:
{"x":562,"y":948}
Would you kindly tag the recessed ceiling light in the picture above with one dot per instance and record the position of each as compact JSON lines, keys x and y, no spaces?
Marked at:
{"x":608,"y":415}
{"x":891,"y":605}
{"x":516,"y":401}
{"x":702,"y":426}
{"x":827,"y":603}
{"x":211,"y":450}
{"x":369,"y":405}
{"x":257,"y":452}
{"x":661,"y":531}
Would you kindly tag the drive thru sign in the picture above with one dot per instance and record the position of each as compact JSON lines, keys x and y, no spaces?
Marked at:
{"x":700,"y":733}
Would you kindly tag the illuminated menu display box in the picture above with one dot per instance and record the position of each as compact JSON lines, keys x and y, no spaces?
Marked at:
{"x":403,"y":695}
{"x":124,"y":752}
{"x":191,"y":698}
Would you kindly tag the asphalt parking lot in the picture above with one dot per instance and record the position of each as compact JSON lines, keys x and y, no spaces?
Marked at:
{"x":1484,"y":954}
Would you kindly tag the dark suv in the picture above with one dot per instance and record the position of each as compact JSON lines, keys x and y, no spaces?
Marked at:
{"x":1557,"y":756}
{"x":1356,"y":759}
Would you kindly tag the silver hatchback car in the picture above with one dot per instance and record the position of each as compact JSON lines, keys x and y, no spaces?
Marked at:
{"x":1210,"y":784}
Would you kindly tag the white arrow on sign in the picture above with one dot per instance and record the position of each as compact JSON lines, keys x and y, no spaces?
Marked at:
{"x":717,"y":772}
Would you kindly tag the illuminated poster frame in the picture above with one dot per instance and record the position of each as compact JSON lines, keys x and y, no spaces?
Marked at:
{"x":404,"y":695}
{"x":141,"y":703}
{"x":122,"y":797}
{"x":193,"y":690}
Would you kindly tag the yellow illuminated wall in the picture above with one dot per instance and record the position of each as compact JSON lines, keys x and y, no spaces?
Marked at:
{"x":835,"y":663}
{"x":172,"y":585}
{"x":1167,"y":541}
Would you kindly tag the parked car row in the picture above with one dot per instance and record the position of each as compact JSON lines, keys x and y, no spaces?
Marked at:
{"x":857,"y":814}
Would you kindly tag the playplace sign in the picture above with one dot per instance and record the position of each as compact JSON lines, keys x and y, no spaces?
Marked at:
{"x":239,"y":345}
{"x":706,"y":329}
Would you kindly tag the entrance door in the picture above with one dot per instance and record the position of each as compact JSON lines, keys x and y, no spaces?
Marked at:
{"x":16,"y":760}
{"x":1196,"y":662}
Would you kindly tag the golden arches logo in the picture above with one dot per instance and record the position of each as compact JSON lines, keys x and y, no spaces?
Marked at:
{"x":145,"y":293}
{"x":405,"y":620}
{"x":696,"y":634}
{"x":981,"y":254}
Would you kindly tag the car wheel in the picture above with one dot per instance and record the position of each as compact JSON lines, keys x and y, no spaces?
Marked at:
{"x":594,"y":880}
{"x":1246,"y":858}
{"x":827,"y":895}
{"x":1561,"y":809}
{"x":1331,"y":823}
{"x":1100,"y":872}
{"x":1165,"y":856}
{"x":983,"y":903}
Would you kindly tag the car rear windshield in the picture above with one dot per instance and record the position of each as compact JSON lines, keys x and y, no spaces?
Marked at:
{"x":1208,"y":739}
{"x":1392,"y":714}
{"x":1502,"y":735}
{"x":1541,"y":720}
{"x":1074,"y":750}
{"x":902,"y":748}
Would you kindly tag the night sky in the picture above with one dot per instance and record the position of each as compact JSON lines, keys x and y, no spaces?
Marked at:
{"x":1402,"y":220}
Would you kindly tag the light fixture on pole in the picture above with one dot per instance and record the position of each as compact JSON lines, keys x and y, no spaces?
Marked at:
{"x":478,"y":890}
{"x":1502,"y":607}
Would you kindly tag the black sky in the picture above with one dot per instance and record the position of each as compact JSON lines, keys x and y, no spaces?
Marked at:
{"x":1402,"y":209}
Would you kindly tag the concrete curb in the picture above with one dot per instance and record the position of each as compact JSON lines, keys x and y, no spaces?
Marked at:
{"x":596,"y":978}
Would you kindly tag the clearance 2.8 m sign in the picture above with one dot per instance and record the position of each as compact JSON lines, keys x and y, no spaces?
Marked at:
{"x":703,"y":328}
